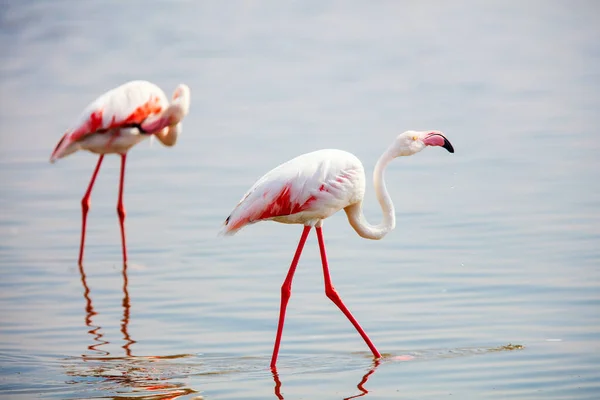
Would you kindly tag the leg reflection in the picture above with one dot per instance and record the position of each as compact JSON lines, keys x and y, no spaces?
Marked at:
{"x":125,"y":320}
{"x":95,"y":330}
{"x":89,"y":313}
{"x":360,"y":385}
{"x":364,"y":380}
{"x":277,"y":383}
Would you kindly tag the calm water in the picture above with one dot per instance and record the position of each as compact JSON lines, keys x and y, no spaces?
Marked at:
{"x":497,"y":245}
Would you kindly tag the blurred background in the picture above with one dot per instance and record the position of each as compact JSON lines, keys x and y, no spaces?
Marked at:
{"x":490,"y":280}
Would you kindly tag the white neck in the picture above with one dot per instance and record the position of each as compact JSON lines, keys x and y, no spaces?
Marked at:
{"x":355,"y":214}
{"x":171,"y":117}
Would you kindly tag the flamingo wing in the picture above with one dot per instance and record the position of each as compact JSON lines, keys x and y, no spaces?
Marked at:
{"x":127,"y":105}
{"x":314,"y":185}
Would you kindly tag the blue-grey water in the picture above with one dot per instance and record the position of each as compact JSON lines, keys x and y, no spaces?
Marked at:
{"x":490,"y":282}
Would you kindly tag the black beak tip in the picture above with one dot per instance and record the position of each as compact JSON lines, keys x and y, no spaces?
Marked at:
{"x":448,"y":146}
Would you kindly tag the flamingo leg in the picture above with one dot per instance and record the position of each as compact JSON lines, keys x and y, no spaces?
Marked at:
{"x":85,"y":206}
{"x":333,"y":295}
{"x":286,"y":292}
{"x":120,"y":208}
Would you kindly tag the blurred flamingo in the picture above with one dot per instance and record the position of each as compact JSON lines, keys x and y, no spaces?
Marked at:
{"x":314,"y":186}
{"x":115,"y":122}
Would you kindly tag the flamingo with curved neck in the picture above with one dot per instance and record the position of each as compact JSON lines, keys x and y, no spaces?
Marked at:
{"x":117,"y":121}
{"x":312,"y":187}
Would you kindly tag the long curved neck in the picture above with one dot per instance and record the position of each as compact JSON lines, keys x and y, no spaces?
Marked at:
{"x":355,"y":213}
{"x":172,"y":117}
{"x":167,"y":125}
{"x":168,"y":135}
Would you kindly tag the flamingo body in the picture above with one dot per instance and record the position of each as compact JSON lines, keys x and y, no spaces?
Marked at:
{"x":304,"y":190}
{"x":112,"y":123}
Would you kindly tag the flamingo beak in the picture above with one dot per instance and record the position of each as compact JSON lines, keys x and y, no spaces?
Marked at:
{"x":447,"y":145}
{"x":437,"y":139}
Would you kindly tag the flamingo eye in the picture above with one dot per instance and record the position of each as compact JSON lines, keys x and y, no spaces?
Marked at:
{"x":415,"y":137}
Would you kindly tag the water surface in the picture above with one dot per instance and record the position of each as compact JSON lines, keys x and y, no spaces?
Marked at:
{"x":487,"y":289}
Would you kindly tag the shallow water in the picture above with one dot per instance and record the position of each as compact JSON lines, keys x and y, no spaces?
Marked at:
{"x":487,"y":289}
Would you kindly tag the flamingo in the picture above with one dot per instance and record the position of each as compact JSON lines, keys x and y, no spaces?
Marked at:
{"x":314,"y":186}
{"x":114,"y":123}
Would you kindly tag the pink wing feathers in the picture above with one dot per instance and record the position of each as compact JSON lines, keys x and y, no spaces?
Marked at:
{"x":315,"y":184}
{"x":268,"y":201}
{"x":128,"y":104}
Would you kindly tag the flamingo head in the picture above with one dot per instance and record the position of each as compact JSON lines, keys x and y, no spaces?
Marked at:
{"x":412,"y":142}
{"x":166,"y":125}
{"x":181,"y":98}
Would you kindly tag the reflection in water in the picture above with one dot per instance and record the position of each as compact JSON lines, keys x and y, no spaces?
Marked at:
{"x":360,"y":385}
{"x":147,"y":378}
{"x":418,"y":355}
{"x":167,"y":377}
{"x":152,"y":378}
{"x":364,"y":380}
{"x":95,"y":329}
{"x":126,"y":308}
{"x":123,"y":375}
{"x":89,"y":313}
{"x":277,"y":384}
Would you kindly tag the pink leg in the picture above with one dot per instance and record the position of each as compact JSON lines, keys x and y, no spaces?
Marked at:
{"x":85,"y":206}
{"x":335,"y":297}
{"x":120,"y":208}
{"x":286,"y":292}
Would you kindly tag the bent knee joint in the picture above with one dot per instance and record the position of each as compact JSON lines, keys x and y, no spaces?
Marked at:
{"x":286,"y":291}
{"x":332,"y":294}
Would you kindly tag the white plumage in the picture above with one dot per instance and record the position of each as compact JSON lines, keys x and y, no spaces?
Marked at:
{"x":121,"y":118}
{"x":306,"y":189}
